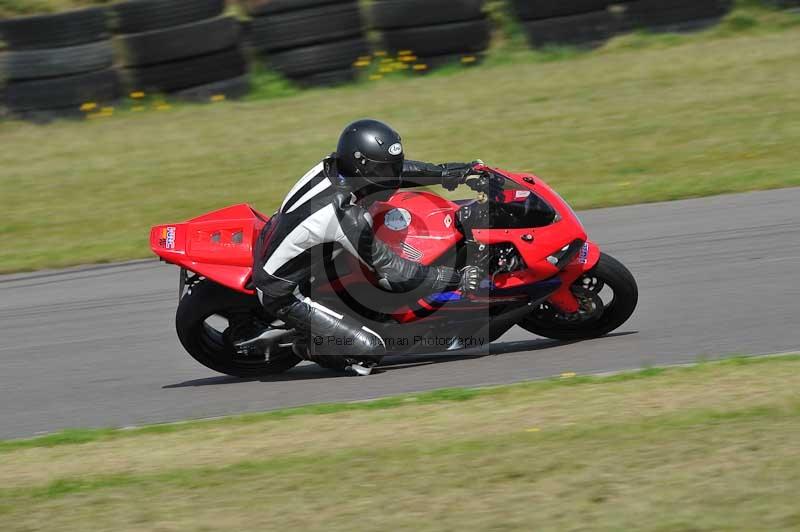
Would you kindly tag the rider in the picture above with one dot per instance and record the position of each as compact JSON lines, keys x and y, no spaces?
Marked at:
{"x":329,"y":205}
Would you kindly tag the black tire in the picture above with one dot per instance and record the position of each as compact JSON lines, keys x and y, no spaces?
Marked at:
{"x":177,"y":75}
{"x":209,"y":346}
{"x":56,"y":62}
{"x":307,"y":27}
{"x":59,"y":93}
{"x":136,"y":16}
{"x":329,"y":79}
{"x":271,"y":7}
{"x":70,"y":28}
{"x":179,"y":42}
{"x":587,"y":29}
{"x":309,"y":60}
{"x":613,"y":274}
{"x":459,"y":37}
{"x":229,"y":89}
{"x":389,"y":14}
{"x":658,"y":13}
{"x":541,"y":9}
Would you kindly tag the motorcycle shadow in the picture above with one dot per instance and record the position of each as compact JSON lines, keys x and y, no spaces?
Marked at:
{"x":391,"y":363}
{"x":399,"y":362}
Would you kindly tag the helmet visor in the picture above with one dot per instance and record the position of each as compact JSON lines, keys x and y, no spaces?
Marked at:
{"x":383,"y":174}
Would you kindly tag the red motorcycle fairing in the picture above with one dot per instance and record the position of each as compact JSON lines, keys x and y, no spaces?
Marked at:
{"x":538,"y":243}
{"x":217,"y":245}
{"x":419,"y":226}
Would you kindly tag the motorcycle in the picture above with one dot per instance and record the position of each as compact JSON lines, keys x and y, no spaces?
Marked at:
{"x":542,"y":274}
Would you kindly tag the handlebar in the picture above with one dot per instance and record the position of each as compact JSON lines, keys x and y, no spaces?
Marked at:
{"x":488,"y":184}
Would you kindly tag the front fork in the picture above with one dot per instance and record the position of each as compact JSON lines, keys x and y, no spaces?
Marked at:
{"x":563,"y":299}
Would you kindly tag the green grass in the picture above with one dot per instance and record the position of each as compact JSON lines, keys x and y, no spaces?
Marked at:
{"x":706,"y":447}
{"x":646,"y":118}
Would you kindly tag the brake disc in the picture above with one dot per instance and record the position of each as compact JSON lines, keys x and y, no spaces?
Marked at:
{"x":590,"y":306}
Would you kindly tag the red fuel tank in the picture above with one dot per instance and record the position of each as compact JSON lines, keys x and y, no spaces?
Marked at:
{"x":418,"y":226}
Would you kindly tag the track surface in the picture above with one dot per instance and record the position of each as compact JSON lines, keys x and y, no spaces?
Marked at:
{"x":96,"y":346}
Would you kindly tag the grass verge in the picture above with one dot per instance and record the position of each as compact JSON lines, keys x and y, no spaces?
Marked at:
{"x":706,"y":447}
{"x":646,"y":118}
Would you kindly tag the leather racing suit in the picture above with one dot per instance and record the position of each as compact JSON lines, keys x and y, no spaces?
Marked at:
{"x":321,"y":209}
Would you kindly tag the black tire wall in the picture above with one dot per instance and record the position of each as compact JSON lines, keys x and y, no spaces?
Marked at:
{"x":314,"y":60}
{"x":592,"y":22}
{"x":431,"y":29}
{"x":70,"y":28}
{"x":63,"y":92}
{"x":57,"y":62}
{"x":180,"y":42}
{"x":187,"y":73}
{"x":303,"y":28}
{"x":176,"y":45}
{"x":313,"y":42}
{"x":137,"y":16}
{"x":388,"y":14}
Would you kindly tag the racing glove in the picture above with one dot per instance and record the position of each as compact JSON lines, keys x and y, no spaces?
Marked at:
{"x":454,"y":174}
{"x":466,"y":280}
{"x":470,"y":279}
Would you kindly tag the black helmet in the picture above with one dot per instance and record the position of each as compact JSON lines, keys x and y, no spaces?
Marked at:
{"x":370,"y":153}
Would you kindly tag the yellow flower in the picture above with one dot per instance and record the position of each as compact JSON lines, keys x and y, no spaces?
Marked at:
{"x":421,"y":66}
{"x":469,"y":59}
{"x":218,"y":98}
{"x":88,"y":106}
{"x":137,"y":95}
{"x":375,"y":77}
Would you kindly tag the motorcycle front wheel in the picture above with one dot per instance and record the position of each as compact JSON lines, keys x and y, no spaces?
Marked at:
{"x":206,"y":317}
{"x":607,"y":294}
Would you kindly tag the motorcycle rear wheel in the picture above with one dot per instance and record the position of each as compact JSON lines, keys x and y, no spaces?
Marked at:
{"x":609,"y":272}
{"x":201,"y":325}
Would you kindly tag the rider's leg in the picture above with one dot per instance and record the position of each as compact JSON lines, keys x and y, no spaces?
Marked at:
{"x":332,"y":339}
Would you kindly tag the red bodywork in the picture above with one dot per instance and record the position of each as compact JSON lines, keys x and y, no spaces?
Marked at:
{"x":219,"y":245}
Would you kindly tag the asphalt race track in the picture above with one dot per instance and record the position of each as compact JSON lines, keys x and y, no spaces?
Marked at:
{"x":95,"y":347}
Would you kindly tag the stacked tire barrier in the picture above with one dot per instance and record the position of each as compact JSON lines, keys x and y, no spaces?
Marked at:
{"x":438,"y":32}
{"x":592,"y":22}
{"x":54,"y":64}
{"x":313,"y":42}
{"x":179,"y":46}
